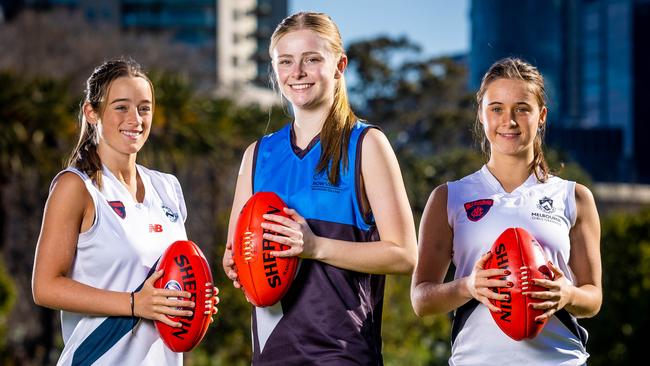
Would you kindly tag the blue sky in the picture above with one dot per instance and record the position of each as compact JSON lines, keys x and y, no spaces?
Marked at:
{"x":440,"y":27}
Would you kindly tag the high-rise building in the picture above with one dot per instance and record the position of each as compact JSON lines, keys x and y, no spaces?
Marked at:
{"x":585,"y":50}
{"x":235,"y":33}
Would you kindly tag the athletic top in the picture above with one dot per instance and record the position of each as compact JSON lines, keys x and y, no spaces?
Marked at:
{"x":116,"y":253}
{"x":479,"y":210}
{"x":329,"y":316}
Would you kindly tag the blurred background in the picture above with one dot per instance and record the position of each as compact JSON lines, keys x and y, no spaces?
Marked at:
{"x":414,"y":69}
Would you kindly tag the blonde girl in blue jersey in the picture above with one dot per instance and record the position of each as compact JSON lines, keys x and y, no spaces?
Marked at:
{"x":332,"y":312}
{"x":95,"y":248}
{"x":512,"y":119}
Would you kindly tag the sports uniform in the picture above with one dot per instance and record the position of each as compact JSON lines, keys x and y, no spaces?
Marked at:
{"x":479,"y":210}
{"x":116,"y":254}
{"x":329,"y":316}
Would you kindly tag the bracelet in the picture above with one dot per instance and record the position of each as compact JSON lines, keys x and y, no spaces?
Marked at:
{"x":132,"y":311}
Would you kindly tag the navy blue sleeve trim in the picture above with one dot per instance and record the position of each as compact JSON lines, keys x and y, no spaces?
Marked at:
{"x":257,"y":149}
{"x":367,"y":216}
{"x":571,"y":323}
{"x":460,"y":317}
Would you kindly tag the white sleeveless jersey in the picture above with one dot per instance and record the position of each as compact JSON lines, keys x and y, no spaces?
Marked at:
{"x":116,"y":254}
{"x":479,"y":210}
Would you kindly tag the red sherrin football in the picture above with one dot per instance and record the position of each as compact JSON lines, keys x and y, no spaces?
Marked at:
{"x":185,"y":269}
{"x":264,"y":278}
{"x":517,"y":251}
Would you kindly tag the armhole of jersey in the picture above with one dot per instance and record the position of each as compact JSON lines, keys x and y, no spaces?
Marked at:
{"x":571,"y":202}
{"x":89,"y":186}
{"x":178,"y":190}
{"x":450,"y":212}
{"x":367,"y":216}
{"x":254,"y":166}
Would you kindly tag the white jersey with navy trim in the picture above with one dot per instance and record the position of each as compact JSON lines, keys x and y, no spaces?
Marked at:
{"x":117,"y":252}
{"x":479,"y":210}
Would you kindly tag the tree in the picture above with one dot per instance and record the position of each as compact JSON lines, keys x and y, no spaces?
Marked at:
{"x":616,"y":333}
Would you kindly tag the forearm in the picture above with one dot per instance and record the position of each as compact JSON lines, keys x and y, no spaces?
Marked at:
{"x":585,"y":301}
{"x":63,"y":293}
{"x":431,"y":298}
{"x":378,"y":257}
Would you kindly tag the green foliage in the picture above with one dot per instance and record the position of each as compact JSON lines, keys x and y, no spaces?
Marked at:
{"x":409,"y":340}
{"x":617,"y":333}
{"x":7,"y":300}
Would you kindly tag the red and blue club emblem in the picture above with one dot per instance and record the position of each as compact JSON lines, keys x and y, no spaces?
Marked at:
{"x":118,"y":207}
{"x":476,"y":210}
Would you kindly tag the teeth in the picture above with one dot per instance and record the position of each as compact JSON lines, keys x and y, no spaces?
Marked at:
{"x":131,"y":134}
{"x":300,"y":86}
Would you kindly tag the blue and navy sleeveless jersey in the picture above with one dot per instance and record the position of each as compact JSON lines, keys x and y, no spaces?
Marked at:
{"x":329,"y":316}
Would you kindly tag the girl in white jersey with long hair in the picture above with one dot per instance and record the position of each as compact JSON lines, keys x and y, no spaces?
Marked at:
{"x":96,"y":251}
{"x":515,"y":189}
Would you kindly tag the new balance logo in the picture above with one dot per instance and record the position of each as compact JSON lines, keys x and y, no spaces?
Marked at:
{"x":155,"y":228}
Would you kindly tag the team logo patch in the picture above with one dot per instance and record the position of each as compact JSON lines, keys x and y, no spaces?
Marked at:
{"x":174,"y":285}
{"x":476,"y":210}
{"x":320,"y":182}
{"x":546,"y":205}
{"x":118,"y":207}
{"x":171,"y":215}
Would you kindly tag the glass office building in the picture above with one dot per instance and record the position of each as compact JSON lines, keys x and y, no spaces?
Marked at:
{"x":585,"y":49}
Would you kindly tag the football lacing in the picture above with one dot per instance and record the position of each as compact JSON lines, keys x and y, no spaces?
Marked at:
{"x":524,"y":271}
{"x":248,"y":246}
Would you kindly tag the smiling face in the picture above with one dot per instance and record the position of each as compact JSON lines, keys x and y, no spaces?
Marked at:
{"x":126,"y":117}
{"x":510,"y":114}
{"x":306,"y":70}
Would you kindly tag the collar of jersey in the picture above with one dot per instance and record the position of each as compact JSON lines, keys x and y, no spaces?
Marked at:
{"x":496,"y":186}
{"x":301,"y":153}
{"x":145,"y":182}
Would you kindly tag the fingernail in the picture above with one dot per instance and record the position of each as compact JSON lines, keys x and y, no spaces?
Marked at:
{"x":488,"y":252}
{"x":510,"y":284}
{"x":192,"y":305}
{"x":507,"y":297}
{"x":506,"y":272}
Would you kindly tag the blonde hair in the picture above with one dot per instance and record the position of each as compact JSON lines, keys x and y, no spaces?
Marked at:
{"x":339,"y":122}
{"x":517,"y":69}
{"x":84,"y":156}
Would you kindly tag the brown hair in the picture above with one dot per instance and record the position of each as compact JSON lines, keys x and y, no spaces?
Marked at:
{"x":339,"y":122}
{"x":514,"y":68}
{"x":84,"y":156}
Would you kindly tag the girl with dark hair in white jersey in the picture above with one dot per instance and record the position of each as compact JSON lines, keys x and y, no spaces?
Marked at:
{"x":514,"y":189}
{"x":96,"y":246}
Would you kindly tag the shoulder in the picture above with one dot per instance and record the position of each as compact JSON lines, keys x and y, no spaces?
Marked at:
{"x":374,"y":139}
{"x":584,"y":195}
{"x":68,"y":181}
{"x":284,"y":131}
{"x":249,"y":153}
{"x":68,"y":189}
{"x":171,"y":178}
{"x":438,"y":197}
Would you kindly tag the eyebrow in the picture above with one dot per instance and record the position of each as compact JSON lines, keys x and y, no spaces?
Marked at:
{"x":308,"y":53}
{"x":128,"y":100}
{"x":525,"y":103}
